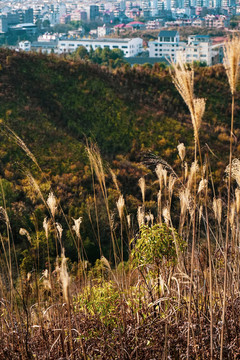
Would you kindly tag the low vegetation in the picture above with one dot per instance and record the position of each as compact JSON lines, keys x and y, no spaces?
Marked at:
{"x":129,"y":255}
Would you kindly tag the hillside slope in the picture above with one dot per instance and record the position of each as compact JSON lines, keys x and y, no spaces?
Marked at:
{"x":54,"y":105}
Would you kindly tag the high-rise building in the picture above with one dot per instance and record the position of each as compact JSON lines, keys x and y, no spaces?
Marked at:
{"x":3,"y":24}
{"x":92,"y":12}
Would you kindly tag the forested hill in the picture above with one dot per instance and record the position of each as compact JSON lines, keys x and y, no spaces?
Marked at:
{"x":55,"y":105}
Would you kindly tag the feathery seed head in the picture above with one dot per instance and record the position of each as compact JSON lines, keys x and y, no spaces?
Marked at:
{"x":140,"y":216}
{"x":183,"y":80}
{"x":65,"y":278}
{"x":59,"y":230}
{"x":193,"y":171}
{"x":164,"y":172}
{"x":231,"y":61}
{"x":235,"y":171}
{"x":120,"y":206}
{"x":166,"y":215}
{"x":159,"y":172}
{"x":129,"y":220}
{"x":197,"y":115}
{"x":142,"y":185}
{"x":46,"y":226}
{"x":185,"y":170}
{"x":52,"y":203}
{"x":181,"y":151}
{"x":237,"y":196}
{"x":24,"y":232}
{"x":171,"y":181}
{"x":232,"y":214}
{"x":202,"y":185}
{"x":184,"y":197}
{"x":217,"y":209}
{"x":4,"y":215}
{"x":76,"y":226}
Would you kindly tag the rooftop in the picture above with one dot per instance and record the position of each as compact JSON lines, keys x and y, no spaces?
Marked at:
{"x":168,"y":33}
{"x":113,"y":40}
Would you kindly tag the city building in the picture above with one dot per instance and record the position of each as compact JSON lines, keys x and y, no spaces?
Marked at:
{"x":92,"y":12}
{"x":24,"y":46}
{"x":198,"y":48}
{"x":3,"y":24}
{"x":102,"y":31}
{"x":130,"y":47}
{"x":166,"y":45}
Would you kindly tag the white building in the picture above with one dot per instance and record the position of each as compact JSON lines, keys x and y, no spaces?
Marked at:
{"x":166,"y":45}
{"x":198,"y":48}
{"x":130,"y":47}
{"x":102,"y":31}
{"x":24,"y":46}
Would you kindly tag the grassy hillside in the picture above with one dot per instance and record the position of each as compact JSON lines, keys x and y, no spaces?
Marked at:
{"x":54,"y":105}
{"x":166,"y":282}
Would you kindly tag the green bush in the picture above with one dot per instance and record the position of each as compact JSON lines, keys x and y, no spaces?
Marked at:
{"x":155,"y":244}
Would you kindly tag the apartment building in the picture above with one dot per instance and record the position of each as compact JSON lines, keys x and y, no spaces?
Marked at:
{"x":166,"y":46}
{"x":198,"y":48}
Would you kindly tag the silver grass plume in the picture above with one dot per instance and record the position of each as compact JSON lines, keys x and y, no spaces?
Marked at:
{"x":166,"y":215}
{"x":237,"y":196}
{"x":140,"y":216}
{"x":235,"y":172}
{"x":197,"y":115}
{"x":142,"y":185}
{"x":186,"y":170}
{"x":76,"y":226}
{"x":46,"y":226}
{"x":52,"y":203}
{"x":24,"y":232}
{"x":159,"y":172}
{"x":231,"y":61}
{"x":65,"y":278}
{"x":171,"y":182}
{"x":59,"y":230}
{"x":183,"y":80}
{"x":193,"y":171}
{"x":4,"y":216}
{"x":232,"y":214}
{"x":181,"y":151}
{"x":202,"y":185}
{"x":217,"y":209}
{"x":184,"y":197}
{"x":129,"y":221}
{"x":114,"y":177}
{"x":120,"y":206}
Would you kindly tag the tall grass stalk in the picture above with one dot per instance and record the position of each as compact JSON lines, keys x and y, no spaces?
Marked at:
{"x":231,"y":64}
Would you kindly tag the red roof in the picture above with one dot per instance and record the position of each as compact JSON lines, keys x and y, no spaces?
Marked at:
{"x":120,"y":26}
{"x":136,"y":23}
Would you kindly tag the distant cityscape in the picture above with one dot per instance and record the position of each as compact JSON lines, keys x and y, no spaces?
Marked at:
{"x":57,"y":27}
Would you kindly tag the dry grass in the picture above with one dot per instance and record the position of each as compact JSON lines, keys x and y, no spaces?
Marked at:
{"x":176,"y":296}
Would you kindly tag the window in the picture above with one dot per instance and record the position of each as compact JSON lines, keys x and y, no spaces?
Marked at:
{"x":71,"y":45}
{"x":167,"y":39}
{"x":115,"y":47}
{"x":124,"y":47}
